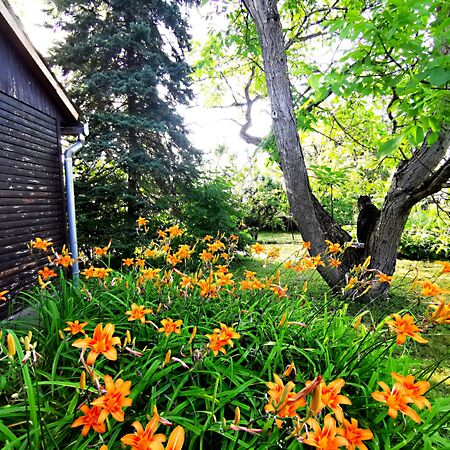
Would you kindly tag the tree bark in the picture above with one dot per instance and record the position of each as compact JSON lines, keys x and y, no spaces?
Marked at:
{"x":425,"y":173}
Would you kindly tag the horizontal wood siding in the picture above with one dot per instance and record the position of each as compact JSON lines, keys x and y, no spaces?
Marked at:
{"x":19,"y":81}
{"x":31,"y":192}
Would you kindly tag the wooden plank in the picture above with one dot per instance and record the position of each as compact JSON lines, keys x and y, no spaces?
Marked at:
{"x":16,"y":140}
{"x":14,"y":170}
{"x":17,"y":209}
{"x":21,"y":249}
{"x":21,"y":264}
{"x":13,"y":224}
{"x":27,"y":133}
{"x":28,"y":154}
{"x":10,"y":193}
{"x":10,"y":117}
{"x":8,"y":159}
{"x":20,"y":111}
{"x":25,"y":234}
{"x":14,"y":216}
{"x":26,"y":108}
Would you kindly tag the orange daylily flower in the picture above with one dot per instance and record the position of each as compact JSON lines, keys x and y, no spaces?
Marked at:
{"x":3,"y":295}
{"x":257,"y":248}
{"x":150,"y":274}
{"x":206,"y":256}
{"x":397,"y":400}
{"x":282,"y":401}
{"x":149,"y":253}
{"x":430,"y":289}
{"x":414,"y":390}
{"x":383,"y":278}
{"x":90,"y":419}
{"x":161,"y":234}
{"x":334,"y":262}
{"x":279,"y":291}
{"x":225,"y":279}
{"x":445,"y":266}
{"x":354,"y":435}
{"x":63,"y":260}
{"x":184,"y":252}
{"x":324,"y":438}
{"x":128,"y":262}
{"x":216,"y":246}
{"x":140,"y":262}
{"x":141,"y":222}
{"x":274,"y":253}
{"x":145,"y":439}
{"x":440,"y":315}
{"x":332,"y":398}
{"x":138,"y":312}
{"x":41,"y":244}
{"x":89,"y":272}
{"x":101,"y":342}
{"x":174,"y":231}
{"x":169,"y":326}
{"x":47,"y":273}
{"x":404,"y":326}
{"x":333,"y":248}
{"x":102,"y":251}
{"x":306,"y":245}
{"x":207,"y":238}
{"x":76,"y":327}
{"x":215,"y":344}
{"x":101,"y":273}
{"x":207,"y":289}
{"x":114,"y":399}
{"x":226,"y":334}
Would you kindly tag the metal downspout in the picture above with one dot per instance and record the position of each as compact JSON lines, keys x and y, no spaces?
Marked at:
{"x":70,"y":198}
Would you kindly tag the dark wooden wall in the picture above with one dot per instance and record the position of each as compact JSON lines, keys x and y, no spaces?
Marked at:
{"x":31,"y":194}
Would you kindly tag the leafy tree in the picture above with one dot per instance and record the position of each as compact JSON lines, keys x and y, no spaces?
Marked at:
{"x":392,"y":55}
{"x":126,"y":62}
{"x":211,"y":206}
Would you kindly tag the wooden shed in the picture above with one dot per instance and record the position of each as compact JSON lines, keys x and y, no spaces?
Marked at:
{"x":35,"y":112}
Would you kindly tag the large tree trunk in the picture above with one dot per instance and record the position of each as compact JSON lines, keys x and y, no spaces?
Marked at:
{"x":422,"y":175}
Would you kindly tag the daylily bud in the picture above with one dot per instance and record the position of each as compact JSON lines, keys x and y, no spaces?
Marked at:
{"x":289,"y":369}
{"x":60,"y":334}
{"x":316,"y":403}
{"x":11,"y":346}
{"x":237,"y":415}
{"x":83,"y":380}
{"x":194,"y":332}
{"x":176,"y":439}
{"x":283,"y":319}
{"x":167,"y":358}
{"x":26,"y":343}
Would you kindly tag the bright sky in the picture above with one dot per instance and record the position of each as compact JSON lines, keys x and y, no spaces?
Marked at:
{"x":208,"y":127}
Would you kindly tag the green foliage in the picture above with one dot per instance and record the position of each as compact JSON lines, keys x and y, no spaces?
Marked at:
{"x":127,"y":80}
{"x":210,"y":206}
{"x":427,"y":233}
{"x":191,"y":386}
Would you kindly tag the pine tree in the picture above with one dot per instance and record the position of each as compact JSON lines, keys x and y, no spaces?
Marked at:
{"x":126,"y":62}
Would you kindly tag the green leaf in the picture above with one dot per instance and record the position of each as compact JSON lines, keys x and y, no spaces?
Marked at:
{"x":389,"y":146}
{"x":439,"y":76}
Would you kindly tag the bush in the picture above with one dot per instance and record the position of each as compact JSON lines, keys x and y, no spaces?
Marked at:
{"x":237,"y":362}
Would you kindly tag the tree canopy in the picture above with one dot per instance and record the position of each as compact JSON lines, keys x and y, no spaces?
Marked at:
{"x":316,"y":61}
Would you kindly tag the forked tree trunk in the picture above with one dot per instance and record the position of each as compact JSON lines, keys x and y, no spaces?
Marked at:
{"x":424,"y":174}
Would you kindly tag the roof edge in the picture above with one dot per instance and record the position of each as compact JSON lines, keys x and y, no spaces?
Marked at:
{"x":37,"y":60}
